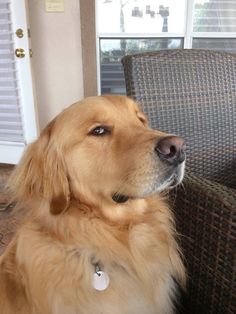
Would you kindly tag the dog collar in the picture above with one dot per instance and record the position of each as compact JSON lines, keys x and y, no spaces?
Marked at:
{"x":101,"y":279}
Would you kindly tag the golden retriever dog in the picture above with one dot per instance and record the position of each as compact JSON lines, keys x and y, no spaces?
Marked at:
{"x":97,"y":236}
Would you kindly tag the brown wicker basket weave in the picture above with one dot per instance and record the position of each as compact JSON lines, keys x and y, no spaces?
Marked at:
{"x":206,"y":219}
{"x":193,"y":93}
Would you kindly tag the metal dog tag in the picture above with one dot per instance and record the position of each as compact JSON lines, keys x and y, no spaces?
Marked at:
{"x":101,"y":279}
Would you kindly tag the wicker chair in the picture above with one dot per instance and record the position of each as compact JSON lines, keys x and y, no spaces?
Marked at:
{"x":193,"y":93}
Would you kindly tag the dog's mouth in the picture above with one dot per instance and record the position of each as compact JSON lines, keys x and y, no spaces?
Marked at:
{"x":122,"y":198}
{"x":172,"y":180}
{"x":169,"y":182}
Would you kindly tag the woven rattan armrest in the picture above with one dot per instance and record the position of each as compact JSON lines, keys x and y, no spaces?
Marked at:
{"x":206,"y":219}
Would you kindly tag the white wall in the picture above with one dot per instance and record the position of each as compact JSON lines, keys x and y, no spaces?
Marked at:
{"x":57,"y":57}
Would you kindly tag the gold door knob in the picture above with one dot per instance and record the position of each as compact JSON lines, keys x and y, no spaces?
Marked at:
{"x":20,"y":52}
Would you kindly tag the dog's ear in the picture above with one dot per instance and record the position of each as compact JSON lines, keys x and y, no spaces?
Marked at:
{"x":41,"y":174}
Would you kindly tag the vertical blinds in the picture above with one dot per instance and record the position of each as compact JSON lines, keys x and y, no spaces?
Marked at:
{"x":11,"y":126}
{"x":214,"y":16}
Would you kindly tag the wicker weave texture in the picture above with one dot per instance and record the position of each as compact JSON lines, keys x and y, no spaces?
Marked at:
{"x":206,"y":218}
{"x":191,"y":93}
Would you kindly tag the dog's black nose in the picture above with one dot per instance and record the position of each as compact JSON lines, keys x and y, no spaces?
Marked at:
{"x":171,"y":149}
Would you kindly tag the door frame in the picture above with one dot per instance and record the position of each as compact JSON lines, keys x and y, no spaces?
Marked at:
{"x":11,"y":152}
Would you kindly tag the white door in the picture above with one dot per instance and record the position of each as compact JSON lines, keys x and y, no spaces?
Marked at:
{"x":18,"y":123}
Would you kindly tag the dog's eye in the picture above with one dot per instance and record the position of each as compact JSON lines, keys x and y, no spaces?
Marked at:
{"x":100,"y":131}
{"x":142,"y":118}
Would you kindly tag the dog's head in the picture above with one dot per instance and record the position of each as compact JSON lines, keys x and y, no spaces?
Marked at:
{"x":99,"y":149}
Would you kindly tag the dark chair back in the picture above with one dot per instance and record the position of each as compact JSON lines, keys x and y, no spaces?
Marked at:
{"x":191,"y":93}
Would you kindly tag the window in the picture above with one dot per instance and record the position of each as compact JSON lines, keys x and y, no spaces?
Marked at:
{"x":133,"y":26}
{"x":214,"y":25}
{"x":112,"y":50}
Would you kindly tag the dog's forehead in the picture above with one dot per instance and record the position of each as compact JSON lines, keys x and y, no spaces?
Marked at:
{"x":114,"y":102}
{"x":109,"y":106}
{"x":121,"y":101}
{"x":111,"y":110}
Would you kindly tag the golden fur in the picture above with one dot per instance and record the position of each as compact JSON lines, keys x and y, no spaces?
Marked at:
{"x":65,"y":182}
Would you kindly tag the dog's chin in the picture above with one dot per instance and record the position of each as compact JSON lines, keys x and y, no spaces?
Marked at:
{"x":171,"y":181}
{"x":167,"y":184}
{"x":160,"y":185}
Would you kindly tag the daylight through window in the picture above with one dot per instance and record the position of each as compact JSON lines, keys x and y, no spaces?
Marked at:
{"x":133,"y":26}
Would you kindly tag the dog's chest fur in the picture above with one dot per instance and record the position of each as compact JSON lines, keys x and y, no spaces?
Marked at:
{"x":140,"y":261}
